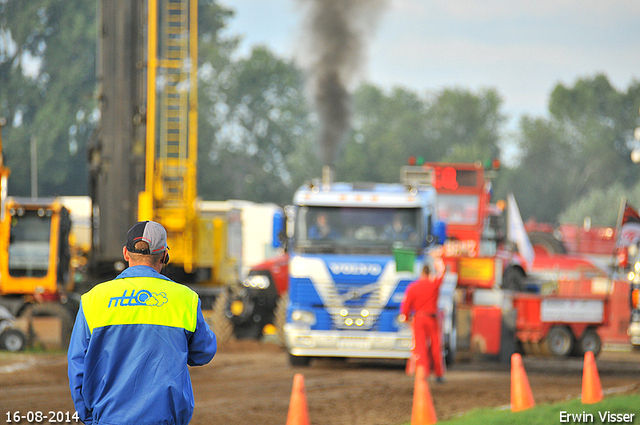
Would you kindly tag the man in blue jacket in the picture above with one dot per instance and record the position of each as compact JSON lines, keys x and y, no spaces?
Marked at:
{"x":133,"y":339}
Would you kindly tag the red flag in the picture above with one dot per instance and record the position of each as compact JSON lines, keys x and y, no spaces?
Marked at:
{"x":630,"y":228}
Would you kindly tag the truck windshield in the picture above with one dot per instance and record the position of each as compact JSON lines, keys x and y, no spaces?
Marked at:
{"x":458,"y":209}
{"x":29,"y":245}
{"x":347,"y":230}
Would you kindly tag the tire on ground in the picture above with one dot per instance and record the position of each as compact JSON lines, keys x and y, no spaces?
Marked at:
{"x":220,"y":323}
{"x":12,"y":340}
{"x":560,"y":341}
{"x":280,"y":317}
{"x":590,"y":341}
{"x":301,"y":361}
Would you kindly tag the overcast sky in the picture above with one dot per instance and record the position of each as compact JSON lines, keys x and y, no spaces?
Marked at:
{"x":522,"y":48}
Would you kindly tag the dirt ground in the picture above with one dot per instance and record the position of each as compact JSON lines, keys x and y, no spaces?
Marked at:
{"x":250,"y":382}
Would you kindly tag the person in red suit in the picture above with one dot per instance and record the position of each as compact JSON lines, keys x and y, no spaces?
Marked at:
{"x":421,"y":304}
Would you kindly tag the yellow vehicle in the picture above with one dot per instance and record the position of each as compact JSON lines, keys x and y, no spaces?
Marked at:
{"x":35,"y":257}
{"x":34,"y":265}
{"x":34,"y":237}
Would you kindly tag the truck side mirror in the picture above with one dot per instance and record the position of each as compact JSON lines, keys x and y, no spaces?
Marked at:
{"x":278,"y":230}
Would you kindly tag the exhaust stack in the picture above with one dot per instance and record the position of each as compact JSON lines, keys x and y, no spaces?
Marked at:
{"x":327,"y":177}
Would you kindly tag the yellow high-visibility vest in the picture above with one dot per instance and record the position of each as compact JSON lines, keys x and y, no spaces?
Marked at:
{"x":140,"y":301}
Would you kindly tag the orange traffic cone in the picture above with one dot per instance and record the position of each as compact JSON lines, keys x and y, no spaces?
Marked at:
{"x":298,"y":410}
{"x":521,"y":397}
{"x":423,"y":412}
{"x":591,"y":388}
{"x":410,"y":369}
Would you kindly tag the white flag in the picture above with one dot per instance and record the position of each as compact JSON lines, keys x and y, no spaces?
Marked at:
{"x":516,"y":232}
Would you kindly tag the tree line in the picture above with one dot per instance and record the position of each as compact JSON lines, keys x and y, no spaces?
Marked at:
{"x":257,"y":132}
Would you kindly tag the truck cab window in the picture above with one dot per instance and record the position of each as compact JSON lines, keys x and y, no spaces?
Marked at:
{"x":29,"y":247}
{"x":356,"y":229}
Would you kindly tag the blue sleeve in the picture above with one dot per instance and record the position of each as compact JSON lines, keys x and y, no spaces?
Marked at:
{"x":202,"y":342}
{"x":75,"y":359}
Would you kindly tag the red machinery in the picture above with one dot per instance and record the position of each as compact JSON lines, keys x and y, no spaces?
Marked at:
{"x":588,"y":254}
{"x":556,"y":304}
{"x":567,"y":316}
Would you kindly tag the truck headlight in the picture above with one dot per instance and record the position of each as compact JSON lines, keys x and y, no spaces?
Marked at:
{"x":402,"y":326}
{"x":257,"y":281}
{"x":303,"y":317}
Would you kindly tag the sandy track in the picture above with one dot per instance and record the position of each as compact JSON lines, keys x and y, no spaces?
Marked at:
{"x":249,"y":382}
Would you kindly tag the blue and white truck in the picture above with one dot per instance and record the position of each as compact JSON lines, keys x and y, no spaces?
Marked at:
{"x":346,"y":285}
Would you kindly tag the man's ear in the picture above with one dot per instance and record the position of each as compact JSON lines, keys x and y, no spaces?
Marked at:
{"x":125,"y":254}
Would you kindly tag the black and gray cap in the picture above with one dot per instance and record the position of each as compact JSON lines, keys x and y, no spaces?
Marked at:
{"x":150,"y":232}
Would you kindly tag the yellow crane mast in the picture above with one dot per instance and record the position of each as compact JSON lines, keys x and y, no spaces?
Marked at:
{"x":172,"y":123}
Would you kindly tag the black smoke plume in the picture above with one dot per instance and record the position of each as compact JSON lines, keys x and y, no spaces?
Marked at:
{"x":335,"y":36}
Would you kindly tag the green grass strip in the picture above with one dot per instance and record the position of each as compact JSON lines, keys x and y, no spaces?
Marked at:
{"x":610,"y":410}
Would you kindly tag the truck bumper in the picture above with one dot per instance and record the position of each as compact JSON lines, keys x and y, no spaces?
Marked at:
{"x":380,"y":345}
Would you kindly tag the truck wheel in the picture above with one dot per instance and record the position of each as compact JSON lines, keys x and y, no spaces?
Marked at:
{"x":526,"y":348}
{"x":514,"y":279}
{"x":299,"y":360}
{"x":538,"y":348}
{"x":548,"y":242}
{"x":221,"y":326}
{"x":590,"y":341}
{"x":12,"y":340}
{"x":560,"y":341}
{"x":251,"y":330}
{"x":280,"y":316}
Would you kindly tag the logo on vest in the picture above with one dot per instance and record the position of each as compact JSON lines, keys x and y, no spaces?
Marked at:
{"x":143,"y":297}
